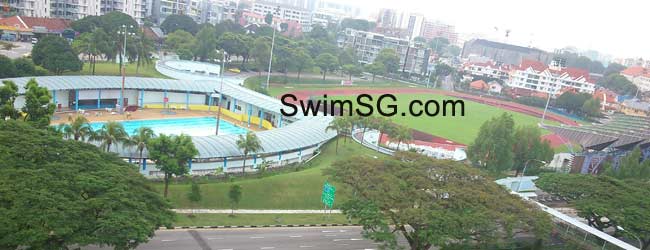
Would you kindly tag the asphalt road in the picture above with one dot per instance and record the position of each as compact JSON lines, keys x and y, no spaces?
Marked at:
{"x":23,"y":49}
{"x":312,"y":238}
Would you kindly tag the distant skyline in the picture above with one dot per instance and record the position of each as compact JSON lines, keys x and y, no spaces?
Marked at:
{"x":618,"y":28}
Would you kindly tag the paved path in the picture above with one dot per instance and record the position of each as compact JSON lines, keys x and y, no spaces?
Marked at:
{"x":252,"y":211}
{"x":22,"y":49}
{"x":311,"y":238}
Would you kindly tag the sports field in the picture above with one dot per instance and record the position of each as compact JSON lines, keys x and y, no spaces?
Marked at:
{"x":457,"y":128}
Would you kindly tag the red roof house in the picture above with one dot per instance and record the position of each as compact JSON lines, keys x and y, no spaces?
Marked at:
{"x":479,"y":85}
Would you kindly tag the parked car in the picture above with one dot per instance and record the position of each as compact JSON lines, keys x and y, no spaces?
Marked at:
{"x":8,"y":37}
{"x":34,"y":40}
{"x":235,"y":70}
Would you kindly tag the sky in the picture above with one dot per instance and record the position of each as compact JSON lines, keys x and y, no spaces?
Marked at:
{"x":620,"y":28}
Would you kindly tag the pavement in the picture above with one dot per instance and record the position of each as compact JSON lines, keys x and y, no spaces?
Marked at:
{"x":312,"y":238}
{"x":23,"y":49}
{"x":253,"y":211}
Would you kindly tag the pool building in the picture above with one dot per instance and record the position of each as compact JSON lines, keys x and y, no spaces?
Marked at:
{"x":285,"y":140}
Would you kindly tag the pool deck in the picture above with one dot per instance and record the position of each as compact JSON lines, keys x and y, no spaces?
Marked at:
{"x":145,"y":114}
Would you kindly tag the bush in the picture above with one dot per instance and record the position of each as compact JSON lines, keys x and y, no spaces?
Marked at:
{"x":195,"y":192}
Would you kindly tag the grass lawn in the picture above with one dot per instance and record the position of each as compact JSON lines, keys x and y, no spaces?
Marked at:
{"x":280,"y":87}
{"x":113,"y":69}
{"x":294,"y":190}
{"x":462,"y":129}
{"x":257,"y":219}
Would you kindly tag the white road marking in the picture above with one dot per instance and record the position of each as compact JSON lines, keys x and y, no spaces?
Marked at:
{"x":267,"y":247}
{"x":295,"y":236}
{"x":305,"y":246}
{"x":167,"y":240}
{"x":214,"y":238}
{"x":257,"y":237}
{"x":356,"y":239}
{"x":330,"y":235}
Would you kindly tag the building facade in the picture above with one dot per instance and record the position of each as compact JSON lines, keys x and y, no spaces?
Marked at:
{"x":286,"y":12}
{"x":414,"y":57}
{"x":76,"y":9}
{"x":639,"y":76}
{"x":487,"y":70}
{"x":536,"y":76}
{"x":433,"y":29}
{"x":503,"y":52}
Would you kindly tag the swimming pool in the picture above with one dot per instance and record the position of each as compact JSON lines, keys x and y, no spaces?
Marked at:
{"x":195,"y":126}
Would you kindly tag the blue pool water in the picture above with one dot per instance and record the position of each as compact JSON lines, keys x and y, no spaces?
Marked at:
{"x":197,"y":126}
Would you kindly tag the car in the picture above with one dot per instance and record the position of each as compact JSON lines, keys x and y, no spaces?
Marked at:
{"x":235,"y":70}
{"x":364,"y":77}
{"x":34,"y":40}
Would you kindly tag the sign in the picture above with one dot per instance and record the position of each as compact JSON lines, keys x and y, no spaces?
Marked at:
{"x":328,"y":195}
{"x":166,"y":99}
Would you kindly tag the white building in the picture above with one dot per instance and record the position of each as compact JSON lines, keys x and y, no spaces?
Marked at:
{"x":415,"y":25}
{"x":487,"y":69}
{"x":639,"y":76}
{"x":414,"y":57}
{"x":76,"y":9}
{"x":536,"y":76}
{"x":287,"y":12}
{"x":325,"y":17}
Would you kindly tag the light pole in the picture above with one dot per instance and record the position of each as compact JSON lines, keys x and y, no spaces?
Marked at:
{"x":123,"y":66}
{"x":268,"y":76}
{"x":523,"y":172}
{"x":628,"y":232}
{"x":223,"y":66}
{"x":546,"y":107}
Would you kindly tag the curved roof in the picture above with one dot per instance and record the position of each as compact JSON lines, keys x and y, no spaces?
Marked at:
{"x":305,"y":132}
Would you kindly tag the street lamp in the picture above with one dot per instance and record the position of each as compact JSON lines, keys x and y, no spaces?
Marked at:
{"x":524,"y":171}
{"x":123,"y":63}
{"x":223,"y":66}
{"x":268,"y":76}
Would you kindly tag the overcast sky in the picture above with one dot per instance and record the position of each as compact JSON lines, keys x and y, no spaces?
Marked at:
{"x":620,"y":28}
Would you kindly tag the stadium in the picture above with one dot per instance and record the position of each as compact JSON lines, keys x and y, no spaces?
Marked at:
{"x":284,"y":140}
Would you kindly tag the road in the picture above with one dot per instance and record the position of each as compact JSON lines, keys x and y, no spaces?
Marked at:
{"x":312,"y":238}
{"x":22,"y":49}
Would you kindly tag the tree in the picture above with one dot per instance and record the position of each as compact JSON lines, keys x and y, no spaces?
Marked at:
{"x":605,"y":202}
{"x":352,"y":69}
{"x":388,"y":58}
{"x":326,"y":62}
{"x":283,"y":57}
{"x":24,"y":67}
{"x":79,"y":128}
{"x":64,"y":194}
{"x":302,"y":60}
{"x":180,"y":40}
{"x":111,"y":133}
{"x":38,"y":107}
{"x":432,"y":203}
{"x":439,"y":45}
{"x":357,"y":24}
{"x":347,"y":56}
{"x":248,"y":144}
{"x":268,"y":18}
{"x":375,"y":69}
{"x":401,"y":134}
{"x":55,"y":54}
{"x":618,"y":84}
{"x":318,"y":32}
{"x":572,"y":102}
{"x":340,"y":125}
{"x":529,"y":146}
{"x":7,"y":67}
{"x":384,"y":125}
{"x":140,"y":139}
{"x":591,"y":107}
{"x":8,"y":95}
{"x":172,"y":155}
{"x":234,"y":195}
{"x":631,"y":167}
{"x":206,"y":41}
{"x":492,"y":148}
{"x":143,"y":46}
{"x":261,"y":52}
{"x":613,"y":68}
{"x":419,"y":39}
{"x":179,"y":22}
{"x":195,"y":192}
{"x":232,"y":43}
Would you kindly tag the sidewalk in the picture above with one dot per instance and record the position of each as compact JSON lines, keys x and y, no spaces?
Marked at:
{"x":253,"y":211}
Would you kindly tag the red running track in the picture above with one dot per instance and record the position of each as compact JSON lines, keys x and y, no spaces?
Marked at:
{"x":512,"y":106}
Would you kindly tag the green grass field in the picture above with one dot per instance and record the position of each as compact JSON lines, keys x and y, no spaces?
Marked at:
{"x":294,"y":190}
{"x":461,"y":129}
{"x":279,"y":86}
{"x":257,"y":219}
{"x":113,"y":69}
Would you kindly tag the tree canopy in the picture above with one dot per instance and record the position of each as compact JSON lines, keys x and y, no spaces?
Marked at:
{"x":57,"y":193}
{"x":172,"y":155}
{"x":326,"y":62}
{"x":432,"y":203}
{"x":357,"y":24}
{"x":55,"y":54}
{"x":618,"y":84}
{"x":38,"y":106}
{"x":492,"y":148}
{"x":388,"y":58}
{"x":179,"y":22}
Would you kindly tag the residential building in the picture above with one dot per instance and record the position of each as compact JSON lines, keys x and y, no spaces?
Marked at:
{"x":639,"y":76}
{"x":76,"y":9}
{"x":348,"y":10}
{"x":164,"y":8}
{"x":24,"y":27}
{"x":503,"y":52}
{"x":286,"y":12}
{"x":608,"y":99}
{"x":487,"y":70}
{"x":414,"y":57}
{"x":414,"y":26}
{"x":635,"y":108}
{"x":327,"y":17}
{"x":433,"y":29}
{"x":252,"y":21}
{"x":550,"y":79}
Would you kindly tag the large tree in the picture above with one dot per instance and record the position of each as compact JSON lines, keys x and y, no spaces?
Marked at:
{"x":326,"y":62}
{"x":529,"y":146}
{"x":206,"y":41}
{"x":179,"y":22}
{"x":38,"y":106}
{"x":55,"y":54}
{"x":618,"y":84}
{"x":432,"y":203}
{"x":375,"y":69}
{"x":8,"y":95}
{"x":351,"y":70}
{"x":492,"y":148}
{"x":64,"y":194}
{"x":7,"y":67}
{"x":357,"y":24}
{"x":261,"y":51}
{"x":180,"y":40}
{"x":302,"y":60}
{"x":172,"y":155}
{"x":630,"y":167}
{"x":110,"y":134}
{"x":390,"y":60}
{"x":248,"y":143}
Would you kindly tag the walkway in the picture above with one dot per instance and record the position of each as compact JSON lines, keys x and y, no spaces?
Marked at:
{"x":253,"y":211}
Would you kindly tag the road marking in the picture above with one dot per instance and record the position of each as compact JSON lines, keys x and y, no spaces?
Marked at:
{"x":330,"y":235}
{"x":225,"y":249}
{"x":295,"y":236}
{"x":329,"y":231}
{"x":305,"y":246}
{"x":267,"y":247}
{"x":257,"y":237}
{"x":355,"y":239}
{"x":214,"y":238}
{"x":167,"y":240}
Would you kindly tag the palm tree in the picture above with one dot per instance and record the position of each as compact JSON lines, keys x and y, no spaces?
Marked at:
{"x":79,"y":128}
{"x":140,"y":139}
{"x":384,"y":125}
{"x":112,"y":132}
{"x":339,"y":124}
{"x":249,"y":144}
{"x":401,"y":134}
{"x":143,"y":46}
